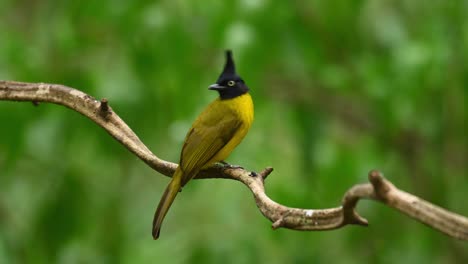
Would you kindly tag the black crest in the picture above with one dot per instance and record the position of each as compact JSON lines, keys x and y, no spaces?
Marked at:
{"x":229,"y":84}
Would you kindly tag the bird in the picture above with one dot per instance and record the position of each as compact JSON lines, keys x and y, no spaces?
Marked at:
{"x":213,"y":136}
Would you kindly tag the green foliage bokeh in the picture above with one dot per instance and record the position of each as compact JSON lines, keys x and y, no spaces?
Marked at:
{"x":340,"y":88}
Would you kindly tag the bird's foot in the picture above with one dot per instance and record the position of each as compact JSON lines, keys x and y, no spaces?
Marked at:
{"x":230,"y":166}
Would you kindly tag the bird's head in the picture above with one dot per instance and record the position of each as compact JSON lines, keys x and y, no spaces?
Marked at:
{"x":229,"y":84}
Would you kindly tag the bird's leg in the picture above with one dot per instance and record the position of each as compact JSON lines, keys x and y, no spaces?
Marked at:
{"x":229,"y":166}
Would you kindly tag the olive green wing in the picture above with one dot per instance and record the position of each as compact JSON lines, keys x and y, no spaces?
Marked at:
{"x":204,"y":140}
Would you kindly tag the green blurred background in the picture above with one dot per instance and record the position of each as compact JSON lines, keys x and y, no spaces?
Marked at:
{"x":340,"y":88}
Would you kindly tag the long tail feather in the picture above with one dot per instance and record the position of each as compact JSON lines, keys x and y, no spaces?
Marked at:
{"x":166,"y":201}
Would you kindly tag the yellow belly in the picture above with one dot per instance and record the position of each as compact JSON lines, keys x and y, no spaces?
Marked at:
{"x":215,"y":134}
{"x":242,"y":107}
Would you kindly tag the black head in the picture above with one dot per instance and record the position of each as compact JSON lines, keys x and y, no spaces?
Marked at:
{"x":229,"y":84}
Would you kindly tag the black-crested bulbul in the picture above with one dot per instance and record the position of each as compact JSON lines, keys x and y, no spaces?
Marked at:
{"x":213,"y":135}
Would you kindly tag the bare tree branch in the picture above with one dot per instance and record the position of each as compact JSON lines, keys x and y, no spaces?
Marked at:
{"x":379,"y":189}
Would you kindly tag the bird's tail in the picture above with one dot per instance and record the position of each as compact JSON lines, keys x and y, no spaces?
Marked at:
{"x":166,"y":201}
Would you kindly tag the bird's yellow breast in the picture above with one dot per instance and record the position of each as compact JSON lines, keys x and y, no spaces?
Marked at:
{"x":215,"y":133}
{"x":240,"y":108}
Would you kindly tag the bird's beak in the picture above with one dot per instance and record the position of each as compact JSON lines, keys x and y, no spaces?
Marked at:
{"x":216,"y":87}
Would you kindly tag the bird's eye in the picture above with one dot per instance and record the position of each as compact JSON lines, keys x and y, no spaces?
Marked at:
{"x":231,"y":83}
